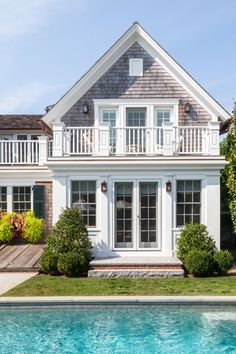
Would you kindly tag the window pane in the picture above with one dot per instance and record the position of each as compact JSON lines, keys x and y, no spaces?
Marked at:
{"x":21,"y":199}
{"x":188,"y":208}
{"x":84,"y":198}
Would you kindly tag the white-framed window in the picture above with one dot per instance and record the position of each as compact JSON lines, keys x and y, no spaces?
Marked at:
{"x":21,"y":199}
{"x":83,"y":197}
{"x":135,"y":67}
{"x":3,"y":199}
{"x":162,"y":115}
{"x":188,"y":208}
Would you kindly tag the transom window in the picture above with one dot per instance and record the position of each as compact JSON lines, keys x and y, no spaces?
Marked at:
{"x":3,"y":199}
{"x":188,"y":202}
{"x":21,"y":199}
{"x":84,"y":198}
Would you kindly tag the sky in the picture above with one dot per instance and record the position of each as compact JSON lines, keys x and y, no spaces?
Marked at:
{"x":47,"y":45}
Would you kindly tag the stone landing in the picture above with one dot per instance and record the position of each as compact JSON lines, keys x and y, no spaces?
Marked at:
{"x":142,"y":267}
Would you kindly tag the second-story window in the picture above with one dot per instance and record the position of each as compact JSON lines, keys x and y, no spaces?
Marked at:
{"x":161,"y":116}
{"x":135,"y":131}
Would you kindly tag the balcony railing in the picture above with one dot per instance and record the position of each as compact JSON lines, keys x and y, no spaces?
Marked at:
{"x":18,"y":152}
{"x":104,"y":141}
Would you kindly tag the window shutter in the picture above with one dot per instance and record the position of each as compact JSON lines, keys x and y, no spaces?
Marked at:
{"x":39,"y":201}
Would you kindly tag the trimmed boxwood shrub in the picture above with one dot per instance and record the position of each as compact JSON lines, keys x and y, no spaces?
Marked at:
{"x":223,"y":261}
{"x":194,"y":237}
{"x":71,"y":264}
{"x":48,"y":262}
{"x":199,"y":263}
{"x":69,"y":241}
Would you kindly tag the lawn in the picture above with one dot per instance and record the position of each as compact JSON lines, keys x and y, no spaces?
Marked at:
{"x":45,"y":285}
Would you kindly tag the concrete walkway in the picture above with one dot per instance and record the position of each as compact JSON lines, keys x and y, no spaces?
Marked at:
{"x":11,"y":280}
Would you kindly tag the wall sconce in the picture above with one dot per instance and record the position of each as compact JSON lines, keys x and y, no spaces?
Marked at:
{"x":168,"y":186}
{"x":187,"y":107}
{"x":104,"y":186}
{"x":85,"y":108}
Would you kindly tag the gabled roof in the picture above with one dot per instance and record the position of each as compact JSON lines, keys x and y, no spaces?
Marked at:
{"x":136,"y":34}
{"x":21,"y":122}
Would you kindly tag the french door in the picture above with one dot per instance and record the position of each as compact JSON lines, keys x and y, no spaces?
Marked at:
{"x":136,"y":215}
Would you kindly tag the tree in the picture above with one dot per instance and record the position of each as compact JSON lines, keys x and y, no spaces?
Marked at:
{"x":228,"y":148}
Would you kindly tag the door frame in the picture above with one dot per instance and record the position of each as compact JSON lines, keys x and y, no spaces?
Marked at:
{"x":135,"y":212}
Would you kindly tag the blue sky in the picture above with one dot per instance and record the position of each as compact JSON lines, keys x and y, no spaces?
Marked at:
{"x":46,"y":45}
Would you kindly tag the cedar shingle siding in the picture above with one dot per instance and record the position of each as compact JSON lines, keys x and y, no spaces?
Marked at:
{"x":155,"y":83}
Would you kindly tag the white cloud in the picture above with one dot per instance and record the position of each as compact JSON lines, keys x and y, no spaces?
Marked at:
{"x":24,"y":98}
{"x":20,"y":17}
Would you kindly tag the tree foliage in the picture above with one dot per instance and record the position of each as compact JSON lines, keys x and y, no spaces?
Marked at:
{"x":228,"y":148}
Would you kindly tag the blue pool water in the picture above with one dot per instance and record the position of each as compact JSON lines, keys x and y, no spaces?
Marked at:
{"x":119,"y":330}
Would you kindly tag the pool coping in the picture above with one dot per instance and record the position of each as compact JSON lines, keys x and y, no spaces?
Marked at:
{"x":56,"y":301}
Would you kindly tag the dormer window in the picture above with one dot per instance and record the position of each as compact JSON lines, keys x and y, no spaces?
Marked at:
{"x":136,"y":67}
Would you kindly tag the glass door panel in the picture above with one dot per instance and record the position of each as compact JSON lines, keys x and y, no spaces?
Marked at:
{"x":135,"y":130}
{"x":148,"y":215}
{"x":123,"y":214}
{"x":109,"y":116}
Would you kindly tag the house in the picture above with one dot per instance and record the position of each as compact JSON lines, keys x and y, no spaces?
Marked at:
{"x":134,"y":144}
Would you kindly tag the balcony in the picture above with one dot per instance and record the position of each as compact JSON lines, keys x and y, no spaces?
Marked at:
{"x":104,"y":141}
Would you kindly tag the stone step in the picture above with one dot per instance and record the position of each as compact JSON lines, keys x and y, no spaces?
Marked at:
{"x":136,"y":273}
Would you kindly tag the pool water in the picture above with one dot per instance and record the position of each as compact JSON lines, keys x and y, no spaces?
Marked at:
{"x":145,"y":329}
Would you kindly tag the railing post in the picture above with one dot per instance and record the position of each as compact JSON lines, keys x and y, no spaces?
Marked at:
{"x":214,"y":141}
{"x":168,"y":139}
{"x":43,"y":150}
{"x":58,"y":139}
{"x":104,"y":139}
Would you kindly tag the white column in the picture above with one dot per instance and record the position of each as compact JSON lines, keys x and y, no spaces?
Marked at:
{"x":168,"y":139}
{"x":58,"y":139}
{"x":43,"y":149}
{"x":167,"y":217}
{"x":214,"y":138}
{"x":104,"y":139}
{"x":212,"y":207}
{"x":59,"y":196}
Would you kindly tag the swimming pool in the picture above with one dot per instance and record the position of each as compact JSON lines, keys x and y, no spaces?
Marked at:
{"x":119,"y":329}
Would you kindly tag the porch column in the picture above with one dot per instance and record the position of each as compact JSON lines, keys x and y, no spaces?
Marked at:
{"x":58,"y":139}
{"x":214,"y":144}
{"x":43,"y":149}
{"x":168,"y":139}
{"x":104,"y":139}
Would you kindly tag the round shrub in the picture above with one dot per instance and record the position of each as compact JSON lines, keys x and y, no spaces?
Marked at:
{"x":223,"y":261}
{"x":48,"y":262}
{"x":194,"y":237}
{"x":33,"y":228}
{"x":199,"y":263}
{"x":71,"y":264}
{"x":70,"y":236}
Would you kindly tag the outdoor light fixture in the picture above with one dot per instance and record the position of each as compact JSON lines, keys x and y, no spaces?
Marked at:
{"x":85,"y":108}
{"x":187,"y":107}
{"x":104,"y":186}
{"x":168,"y":186}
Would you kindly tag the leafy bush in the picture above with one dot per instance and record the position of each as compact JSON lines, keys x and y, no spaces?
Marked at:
{"x":70,"y":236}
{"x":6,"y":229}
{"x":72,"y":264}
{"x":194,"y":237}
{"x":48,"y":262}
{"x":223,"y":261}
{"x":33,"y":228}
{"x":199,"y":263}
{"x":25,"y":225}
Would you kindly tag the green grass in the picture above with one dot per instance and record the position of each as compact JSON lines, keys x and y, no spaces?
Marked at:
{"x":45,"y":285}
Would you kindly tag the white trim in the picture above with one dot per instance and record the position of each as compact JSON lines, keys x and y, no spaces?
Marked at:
{"x":135,"y":33}
{"x":136,"y":101}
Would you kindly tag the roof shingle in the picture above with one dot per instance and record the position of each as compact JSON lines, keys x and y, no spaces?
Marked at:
{"x":20,"y":121}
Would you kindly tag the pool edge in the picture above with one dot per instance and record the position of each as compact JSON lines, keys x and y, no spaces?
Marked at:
{"x":116,"y":300}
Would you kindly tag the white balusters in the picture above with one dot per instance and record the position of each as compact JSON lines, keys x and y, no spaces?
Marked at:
{"x":19,"y":152}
